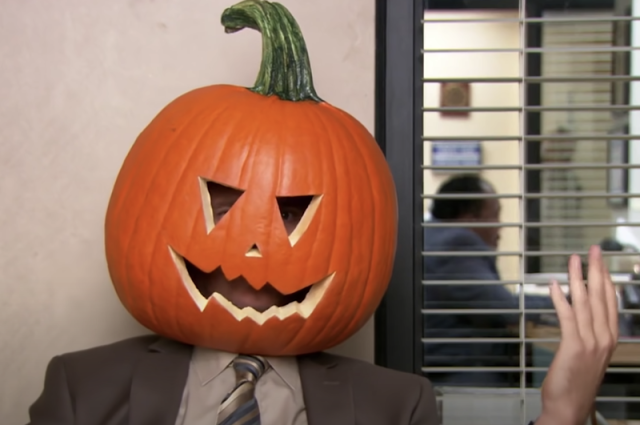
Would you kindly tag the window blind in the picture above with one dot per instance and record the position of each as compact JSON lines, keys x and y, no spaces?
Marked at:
{"x":551,"y":116}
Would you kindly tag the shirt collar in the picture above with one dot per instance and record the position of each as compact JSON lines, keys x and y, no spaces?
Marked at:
{"x":209,"y":363}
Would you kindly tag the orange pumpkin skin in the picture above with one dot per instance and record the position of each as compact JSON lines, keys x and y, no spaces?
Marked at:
{"x":266,"y":147}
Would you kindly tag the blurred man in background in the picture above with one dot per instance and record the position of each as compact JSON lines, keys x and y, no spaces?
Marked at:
{"x":469,"y":223}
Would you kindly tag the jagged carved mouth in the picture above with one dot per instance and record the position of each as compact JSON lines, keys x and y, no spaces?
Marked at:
{"x":302,"y":302}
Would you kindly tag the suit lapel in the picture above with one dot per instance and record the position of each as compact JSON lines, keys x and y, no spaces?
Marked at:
{"x":327,"y":390}
{"x":158,"y":383}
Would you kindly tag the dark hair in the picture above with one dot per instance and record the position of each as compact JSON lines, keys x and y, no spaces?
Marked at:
{"x":451,"y":209}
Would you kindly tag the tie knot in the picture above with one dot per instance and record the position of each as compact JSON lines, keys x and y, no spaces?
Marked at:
{"x":249,"y":368}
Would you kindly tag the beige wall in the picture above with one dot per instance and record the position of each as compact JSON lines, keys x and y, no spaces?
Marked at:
{"x":79,"y":80}
{"x":492,"y":35}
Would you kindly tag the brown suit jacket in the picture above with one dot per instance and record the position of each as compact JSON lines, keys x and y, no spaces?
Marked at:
{"x":140,"y":381}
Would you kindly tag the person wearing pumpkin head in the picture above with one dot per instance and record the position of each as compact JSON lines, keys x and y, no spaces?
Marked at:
{"x":234,"y":233}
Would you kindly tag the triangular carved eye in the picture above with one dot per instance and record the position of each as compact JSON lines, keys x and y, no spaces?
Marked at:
{"x":217,"y":200}
{"x":297,"y":213}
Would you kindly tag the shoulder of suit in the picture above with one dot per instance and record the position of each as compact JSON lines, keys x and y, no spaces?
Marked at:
{"x":113,"y":363}
{"x":364,"y":371}
{"x":107,"y":353}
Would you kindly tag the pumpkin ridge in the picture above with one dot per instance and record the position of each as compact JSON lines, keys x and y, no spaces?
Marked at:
{"x":125,"y":265}
{"x":212,"y":123}
{"x":157,"y":240}
{"x":274,"y":204}
{"x":296,"y":339}
{"x":362,"y":152}
{"x":331,"y":120}
{"x":354,"y":147}
{"x":172,"y":193}
{"x":159,"y":243}
{"x":285,"y":70}
{"x":247,"y":166}
{"x":124,"y":193}
{"x":338,"y":152}
{"x":140,"y":170}
{"x":242,"y":179}
{"x":336,"y":318}
{"x":323,"y":147}
{"x":323,"y":191}
{"x":175,"y":296}
{"x":211,"y":171}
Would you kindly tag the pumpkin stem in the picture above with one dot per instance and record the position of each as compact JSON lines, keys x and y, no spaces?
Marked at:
{"x":285,"y":70}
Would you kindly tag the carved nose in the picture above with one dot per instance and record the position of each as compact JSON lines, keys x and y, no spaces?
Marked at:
{"x":254,"y":251}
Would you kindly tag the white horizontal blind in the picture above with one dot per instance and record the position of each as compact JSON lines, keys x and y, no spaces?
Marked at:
{"x":579,"y":110}
{"x":558,"y":34}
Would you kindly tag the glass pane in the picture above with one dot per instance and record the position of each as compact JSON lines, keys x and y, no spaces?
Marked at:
{"x":548,"y":159}
{"x":471,"y":314}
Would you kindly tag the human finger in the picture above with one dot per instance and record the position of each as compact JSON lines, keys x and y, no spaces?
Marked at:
{"x":597,"y":295}
{"x":612,"y":304}
{"x":580,"y":300}
{"x":566,"y":316}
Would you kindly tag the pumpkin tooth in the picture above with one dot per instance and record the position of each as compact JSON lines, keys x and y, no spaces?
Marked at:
{"x":314,"y":296}
{"x":250,"y":312}
{"x":197,"y":297}
{"x":287,"y":310}
{"x":260,"y":318}
{"x":235,"y":311}
{"x":304,"y":309}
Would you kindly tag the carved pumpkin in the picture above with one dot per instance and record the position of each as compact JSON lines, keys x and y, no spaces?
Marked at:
{"x":268,"y":143}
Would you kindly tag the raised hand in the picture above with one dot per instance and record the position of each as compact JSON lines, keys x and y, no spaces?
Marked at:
{"x":589,"y":329}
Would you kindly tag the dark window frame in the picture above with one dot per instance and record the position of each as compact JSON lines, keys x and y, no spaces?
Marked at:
{"x":399,"y":132}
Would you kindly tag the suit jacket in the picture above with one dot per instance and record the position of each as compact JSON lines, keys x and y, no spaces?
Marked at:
{"x":140,"y":381}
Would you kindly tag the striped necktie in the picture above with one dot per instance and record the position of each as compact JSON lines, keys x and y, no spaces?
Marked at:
{"x":240,"y":406}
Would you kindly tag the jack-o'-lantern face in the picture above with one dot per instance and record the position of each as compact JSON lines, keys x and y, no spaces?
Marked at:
{"x":256,"y":221}
{"x":240,"y":298}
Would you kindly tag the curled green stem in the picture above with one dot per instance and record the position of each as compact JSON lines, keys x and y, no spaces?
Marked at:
{"x":285,"y":70}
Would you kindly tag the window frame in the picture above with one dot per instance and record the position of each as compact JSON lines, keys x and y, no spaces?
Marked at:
{"x":399,"y":38}
{"x":398,"y":130}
